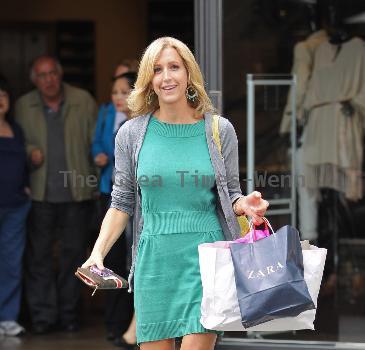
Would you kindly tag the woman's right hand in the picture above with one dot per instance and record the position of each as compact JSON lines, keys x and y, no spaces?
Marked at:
{"x":101,"y":159}
{"x":94,"y":259}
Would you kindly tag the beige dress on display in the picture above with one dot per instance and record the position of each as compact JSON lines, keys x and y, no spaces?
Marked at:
{"x":333,"y":142}
{"x":303,"y":63}
{"x":302,"y":68}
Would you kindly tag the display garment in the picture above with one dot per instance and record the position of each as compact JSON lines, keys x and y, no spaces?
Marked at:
{"x":307,"y":203}
{"x":332,"y":141}
{"x":302,"y":68}
{"x":177,"y":183}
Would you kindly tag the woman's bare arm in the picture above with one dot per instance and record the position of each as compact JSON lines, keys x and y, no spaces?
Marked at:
{"x":114,"y":223}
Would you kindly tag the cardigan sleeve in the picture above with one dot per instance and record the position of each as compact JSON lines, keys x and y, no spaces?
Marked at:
{"x":123,"y":194}
{"x":230,"y":156}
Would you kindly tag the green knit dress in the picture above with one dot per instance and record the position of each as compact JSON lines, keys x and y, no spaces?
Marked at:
{"x":176,"y":178}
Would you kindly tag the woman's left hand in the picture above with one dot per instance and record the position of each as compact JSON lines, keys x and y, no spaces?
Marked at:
{"x":252,"y":205}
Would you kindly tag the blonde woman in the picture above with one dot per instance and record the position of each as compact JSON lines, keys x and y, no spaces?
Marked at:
{"x":166,"y":160}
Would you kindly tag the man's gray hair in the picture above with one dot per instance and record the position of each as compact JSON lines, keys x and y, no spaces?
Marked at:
{"x":41,"y":57}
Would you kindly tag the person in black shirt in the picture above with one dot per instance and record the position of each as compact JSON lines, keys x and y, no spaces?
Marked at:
{"x":14,"y":207}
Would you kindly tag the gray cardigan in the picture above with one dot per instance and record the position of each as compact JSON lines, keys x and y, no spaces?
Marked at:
{"x":126,"y":194}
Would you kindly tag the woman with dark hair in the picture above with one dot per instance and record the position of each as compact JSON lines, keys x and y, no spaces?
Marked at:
{"x":119,"y":304}
{"x":14,"y":207}
{"x":111,"y":117}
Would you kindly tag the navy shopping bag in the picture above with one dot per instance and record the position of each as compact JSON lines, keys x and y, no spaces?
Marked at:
{"x":269,"y":276}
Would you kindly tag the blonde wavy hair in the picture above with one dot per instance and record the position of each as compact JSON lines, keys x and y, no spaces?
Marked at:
{"x":143,"y":100}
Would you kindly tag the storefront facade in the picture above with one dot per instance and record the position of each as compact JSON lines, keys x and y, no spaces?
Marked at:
{"x":231,"y":40}
{"x":234,"y":39}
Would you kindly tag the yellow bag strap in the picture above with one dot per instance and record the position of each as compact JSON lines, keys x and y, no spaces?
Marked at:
{"x":244,"y":224}
{"x":216,"y":137}
{"x":242,"y":220}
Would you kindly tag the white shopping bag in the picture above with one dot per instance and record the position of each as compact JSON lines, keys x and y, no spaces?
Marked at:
{"x":220,"y":309}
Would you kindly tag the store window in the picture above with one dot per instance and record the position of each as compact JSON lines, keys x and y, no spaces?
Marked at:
{"x":261,"y":37}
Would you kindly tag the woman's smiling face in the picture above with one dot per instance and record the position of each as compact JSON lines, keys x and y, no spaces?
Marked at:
{"x":170,"y":77}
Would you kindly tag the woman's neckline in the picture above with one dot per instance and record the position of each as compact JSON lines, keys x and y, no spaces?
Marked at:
{"x":177,"y":130}
{"x":7,"y":136}
{"x":168,"y":123}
